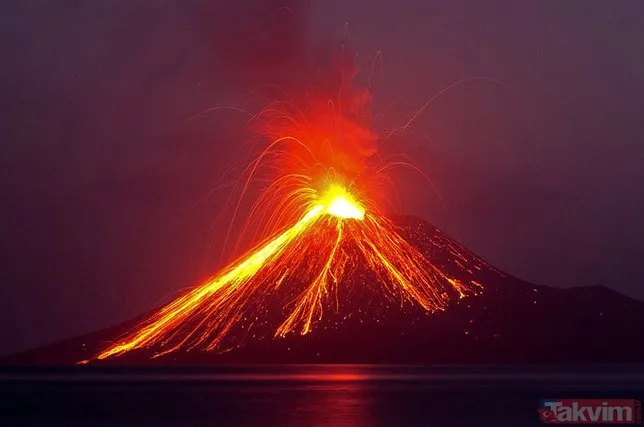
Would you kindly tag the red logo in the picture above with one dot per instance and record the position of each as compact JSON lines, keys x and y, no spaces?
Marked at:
{"x":590,"y":411}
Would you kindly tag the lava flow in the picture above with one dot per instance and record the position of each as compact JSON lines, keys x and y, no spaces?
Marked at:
{"x":321,"y":225}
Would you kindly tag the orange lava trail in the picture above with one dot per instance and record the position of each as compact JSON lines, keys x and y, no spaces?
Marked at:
{"x":221,"y":287}
{"x":204,"y":316}
{"x":318,"y":209}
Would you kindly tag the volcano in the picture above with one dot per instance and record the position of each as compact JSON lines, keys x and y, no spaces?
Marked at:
{"x":509,"y":321}
{"x":327,"y":276}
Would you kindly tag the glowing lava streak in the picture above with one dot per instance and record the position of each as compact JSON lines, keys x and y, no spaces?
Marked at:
{"x":204,"y":316}
{"x":230,"y":279}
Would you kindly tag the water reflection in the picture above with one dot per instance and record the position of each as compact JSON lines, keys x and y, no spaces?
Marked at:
{"x":338,"y":395}
{"x":299,"y":394}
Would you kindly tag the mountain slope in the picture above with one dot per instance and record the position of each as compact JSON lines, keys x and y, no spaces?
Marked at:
{"x":510,"y":322}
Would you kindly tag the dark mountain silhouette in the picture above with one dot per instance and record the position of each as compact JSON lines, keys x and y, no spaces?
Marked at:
{"x":512,"y":321}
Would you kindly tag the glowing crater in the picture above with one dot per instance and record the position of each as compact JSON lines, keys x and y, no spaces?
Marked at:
{"x":337,"y":201}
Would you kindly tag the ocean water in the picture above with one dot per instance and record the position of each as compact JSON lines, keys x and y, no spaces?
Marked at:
{"x":325,"y":395}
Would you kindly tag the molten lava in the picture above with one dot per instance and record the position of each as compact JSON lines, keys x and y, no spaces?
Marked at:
{"x":338,"y":202}
{"x":320,"y":226}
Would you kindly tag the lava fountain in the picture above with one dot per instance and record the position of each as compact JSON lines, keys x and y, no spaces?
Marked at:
{"x":320,"y":221}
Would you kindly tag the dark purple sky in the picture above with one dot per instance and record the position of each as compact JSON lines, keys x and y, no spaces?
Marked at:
{"x":107,"y":192}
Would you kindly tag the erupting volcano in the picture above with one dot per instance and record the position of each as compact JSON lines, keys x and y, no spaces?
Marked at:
{"x":322,"y":272}
{"x":316,"y":260}
{"x":322,"y":221}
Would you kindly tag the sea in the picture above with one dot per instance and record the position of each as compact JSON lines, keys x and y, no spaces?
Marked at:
{"x":302,"y":395}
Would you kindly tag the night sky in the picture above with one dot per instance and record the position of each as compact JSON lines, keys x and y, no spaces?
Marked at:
{"x":110,"y":195}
